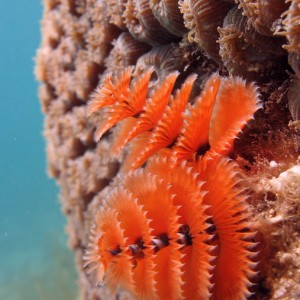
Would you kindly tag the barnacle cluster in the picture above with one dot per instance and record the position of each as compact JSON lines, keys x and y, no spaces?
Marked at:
{"x":85,"y":42}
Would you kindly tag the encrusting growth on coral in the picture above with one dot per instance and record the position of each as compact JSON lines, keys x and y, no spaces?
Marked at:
{"x":178,"y":229}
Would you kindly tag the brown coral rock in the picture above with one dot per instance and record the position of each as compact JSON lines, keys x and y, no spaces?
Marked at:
{"x":83,"y":39}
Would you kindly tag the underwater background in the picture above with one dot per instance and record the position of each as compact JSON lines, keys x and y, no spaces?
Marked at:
{"x":35,"y":261}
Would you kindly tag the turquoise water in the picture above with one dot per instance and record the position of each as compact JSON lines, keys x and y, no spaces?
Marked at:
{"x":35,"y":262}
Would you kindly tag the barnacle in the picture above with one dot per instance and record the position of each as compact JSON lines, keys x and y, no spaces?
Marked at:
{"x":170,"y":237}
{"x":212,"y":122}
{"x":243,"y":50}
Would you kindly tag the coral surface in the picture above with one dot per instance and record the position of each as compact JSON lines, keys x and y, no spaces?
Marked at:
{"x":84,"y":40}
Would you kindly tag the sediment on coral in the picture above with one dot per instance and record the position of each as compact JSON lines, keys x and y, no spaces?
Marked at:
{"x":83,"y":40}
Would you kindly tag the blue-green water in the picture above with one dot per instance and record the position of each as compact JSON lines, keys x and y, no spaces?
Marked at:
{"x":35,"y":262}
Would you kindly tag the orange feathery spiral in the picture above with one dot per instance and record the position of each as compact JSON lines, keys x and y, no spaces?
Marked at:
{"x":179,"y":228}
{"x":164,"y":233}
{"x":153,"y":111}
{"x":208,"y":128}
{"x":118,"y":99}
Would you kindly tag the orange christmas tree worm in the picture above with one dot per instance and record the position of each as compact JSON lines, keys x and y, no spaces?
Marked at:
{"x":179,"y":228}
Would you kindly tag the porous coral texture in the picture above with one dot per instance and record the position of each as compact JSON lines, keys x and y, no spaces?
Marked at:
{"x":84,"y":40}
